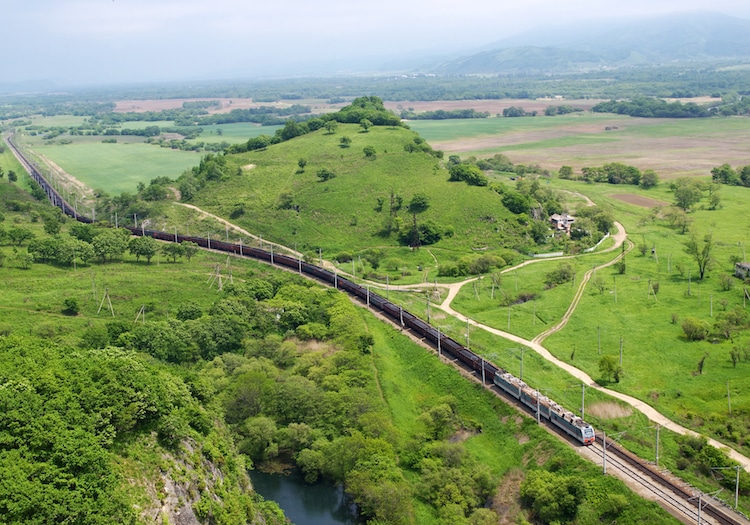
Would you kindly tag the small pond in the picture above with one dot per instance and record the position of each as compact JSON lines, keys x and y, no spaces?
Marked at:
{"x":303,"y":504}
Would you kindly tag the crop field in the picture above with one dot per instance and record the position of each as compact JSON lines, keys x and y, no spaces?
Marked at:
{"x":119,"y":167}
{"x":672,"y":147}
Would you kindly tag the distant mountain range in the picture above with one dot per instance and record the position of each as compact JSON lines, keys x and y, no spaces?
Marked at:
{"x":590,"y":45}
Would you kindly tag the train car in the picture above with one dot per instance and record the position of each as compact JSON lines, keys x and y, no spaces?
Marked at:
{"x":572,"y":424}
{"x":286,"y":261}
{"x":376,"y":301}
{"x":509,"y":383}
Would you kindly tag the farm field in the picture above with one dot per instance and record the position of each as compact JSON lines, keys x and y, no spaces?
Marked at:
{"x":671,"y":147}
{"x":116,"y":168}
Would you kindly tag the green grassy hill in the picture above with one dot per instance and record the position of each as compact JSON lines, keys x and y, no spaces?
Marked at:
{"x":343,"y":213}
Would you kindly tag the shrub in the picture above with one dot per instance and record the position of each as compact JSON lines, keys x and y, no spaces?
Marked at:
{"x":562,"y":274}
{"x":325,"y":174}
{"x":70,"y":306}
{"x":695,"y":329}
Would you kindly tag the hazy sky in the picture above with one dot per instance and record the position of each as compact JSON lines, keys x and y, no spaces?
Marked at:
{"x":76,"y":42}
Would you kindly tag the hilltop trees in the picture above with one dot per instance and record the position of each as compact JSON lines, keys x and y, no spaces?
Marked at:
{"x":366,"y":108}
{"x":469,"y":173}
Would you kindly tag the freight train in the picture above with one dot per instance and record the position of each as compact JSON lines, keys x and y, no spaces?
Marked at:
{"x":542,"y":406}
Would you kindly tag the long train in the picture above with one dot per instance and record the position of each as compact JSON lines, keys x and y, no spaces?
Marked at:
{"x":540,"y":405}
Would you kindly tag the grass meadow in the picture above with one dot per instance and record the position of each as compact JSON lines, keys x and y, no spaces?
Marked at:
{"x":115,"y":168}
{"x":233,"y":133}
{"x":660,"y":365}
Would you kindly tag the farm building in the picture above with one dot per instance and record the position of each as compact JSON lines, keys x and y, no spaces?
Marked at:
{"x":562,"y":223}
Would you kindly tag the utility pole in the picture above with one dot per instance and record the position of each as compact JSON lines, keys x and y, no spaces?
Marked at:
{"x":657,"y":427}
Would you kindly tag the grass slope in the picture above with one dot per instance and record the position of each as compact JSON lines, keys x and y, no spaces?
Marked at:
{"x":340,"y":214}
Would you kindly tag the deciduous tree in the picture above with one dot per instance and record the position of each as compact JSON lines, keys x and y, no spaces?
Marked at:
{"x":143,"y":247}
{"x":702,"y":252}
{"x":110,"y":243}
{"x":610,"y":368}
{"x":686,"y":193}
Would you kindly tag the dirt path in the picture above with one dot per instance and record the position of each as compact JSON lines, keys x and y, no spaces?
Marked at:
{"x":577,"y":297}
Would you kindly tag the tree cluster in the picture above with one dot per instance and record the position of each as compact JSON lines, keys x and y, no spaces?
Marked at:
{"x":517,"y":111}
{"x":469,"y":173}
{"x":442,"y":114}
{"x":725,"y":174}
{"x":648,"y":107}
{"x":419,"y":144}
{"x":60,"y":441}
{"x":565,"y":109}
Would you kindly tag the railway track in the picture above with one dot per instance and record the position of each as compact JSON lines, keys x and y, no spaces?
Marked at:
{"x":685,"y":503}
